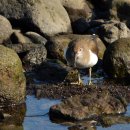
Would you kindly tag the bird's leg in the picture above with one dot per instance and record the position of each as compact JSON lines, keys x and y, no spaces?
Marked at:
{"x":80,"y":82}
{"x":90,"y":81}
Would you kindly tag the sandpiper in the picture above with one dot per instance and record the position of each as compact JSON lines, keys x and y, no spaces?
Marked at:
{"x":82,"y":53}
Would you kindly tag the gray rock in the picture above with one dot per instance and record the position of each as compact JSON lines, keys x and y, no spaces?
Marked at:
{"x":120,"y":10}
{"x":5,"y":29}
{"x":36,"y":56}
{"x":110,"y":31}
{"x":77,"y":9}
{"x":36,"y":38}
{"x":116,"y":59}
{"x":19,"y":38}
{"x":29,"y":14}
{"x":12,"y":79}
{"x":21,"y":43}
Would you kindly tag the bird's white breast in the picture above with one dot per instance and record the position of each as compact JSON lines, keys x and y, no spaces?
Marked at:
{"x":93,"y":59}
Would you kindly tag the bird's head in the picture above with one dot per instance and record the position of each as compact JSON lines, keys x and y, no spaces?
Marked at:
{"x":78,"y":51}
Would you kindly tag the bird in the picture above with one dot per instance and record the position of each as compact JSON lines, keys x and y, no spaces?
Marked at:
{"x":82,"y":53}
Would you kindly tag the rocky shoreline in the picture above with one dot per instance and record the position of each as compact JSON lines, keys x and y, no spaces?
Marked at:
{"x":33,"y":37}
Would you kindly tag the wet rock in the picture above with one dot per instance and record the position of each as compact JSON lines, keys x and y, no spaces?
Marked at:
{"x":87,"y":106}
{"x":36,"y":38}
{"x":13,"y":117}
{"x":12,"y":127}
{"x":109,"y":120}
{"x":59,"y":43}
{"x":52,"y":71}
{"x":36,"y":56}
{"x":29,"y":15}
{"x":110,"y":31}
{"x":5,"y":29}
{"x":12,"y":79}
{"x":77,"y":9}
{"x":116,"y":59}
{"x":71,"y":77}
{"x":81,"y":127}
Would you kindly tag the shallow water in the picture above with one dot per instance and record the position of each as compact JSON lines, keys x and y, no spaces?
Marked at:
{"x":37,"y":116}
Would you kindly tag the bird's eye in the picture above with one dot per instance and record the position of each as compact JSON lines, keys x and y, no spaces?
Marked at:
{"x":80,"y":49}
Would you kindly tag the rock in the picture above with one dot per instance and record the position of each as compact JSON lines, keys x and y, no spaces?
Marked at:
{"x":1,"y":116}
{"x":5,"y":29}
{"x":77,"y":9}
{"x":36,"y":38}
{"x":102,"y":4}
{"x":17,"y":37}
{"x":88,"y":106}
{"x":52,"y":71}
{"x":101,"y":48}
{"x":13,"y":116}
{"x":111,"y":31}
{"x":110,"y":120}
{"x":87,"y":126}
{"x":80,"y":26}
{"x":101,"y":8}
{"x":22,"y":48}
{"x":21,"y":43}
{"x":59,"y":43}
{"x":12,"y":79}
{"x":116,"y":59}
{"x":120,"y":11}
{"x":36,"y":56}
{"x":29,"y":15}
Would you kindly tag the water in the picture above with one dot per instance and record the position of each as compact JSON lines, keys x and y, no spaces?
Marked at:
{"x":37,"y":116}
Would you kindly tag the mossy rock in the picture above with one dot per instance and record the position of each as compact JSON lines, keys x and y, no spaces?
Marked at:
{"x":12,"y":79}
{"x":116,"y":59}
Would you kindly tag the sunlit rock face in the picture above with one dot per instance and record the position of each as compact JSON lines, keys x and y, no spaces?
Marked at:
{"x":43,"y":16}
{"x":5,"y":29}
{"x":12,"y":79}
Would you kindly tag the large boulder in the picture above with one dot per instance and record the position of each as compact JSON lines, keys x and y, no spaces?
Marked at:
{"x":41,"y":15}
{"x":57,"y":45}
{"x":77,"y":9}
{"x":12,"y":79}
{"x":5,"y":29}
{"x":116,"y":59}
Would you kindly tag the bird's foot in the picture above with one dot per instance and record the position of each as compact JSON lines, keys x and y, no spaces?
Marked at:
{"x":80,"y":82}
{"x":90,"y":83}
